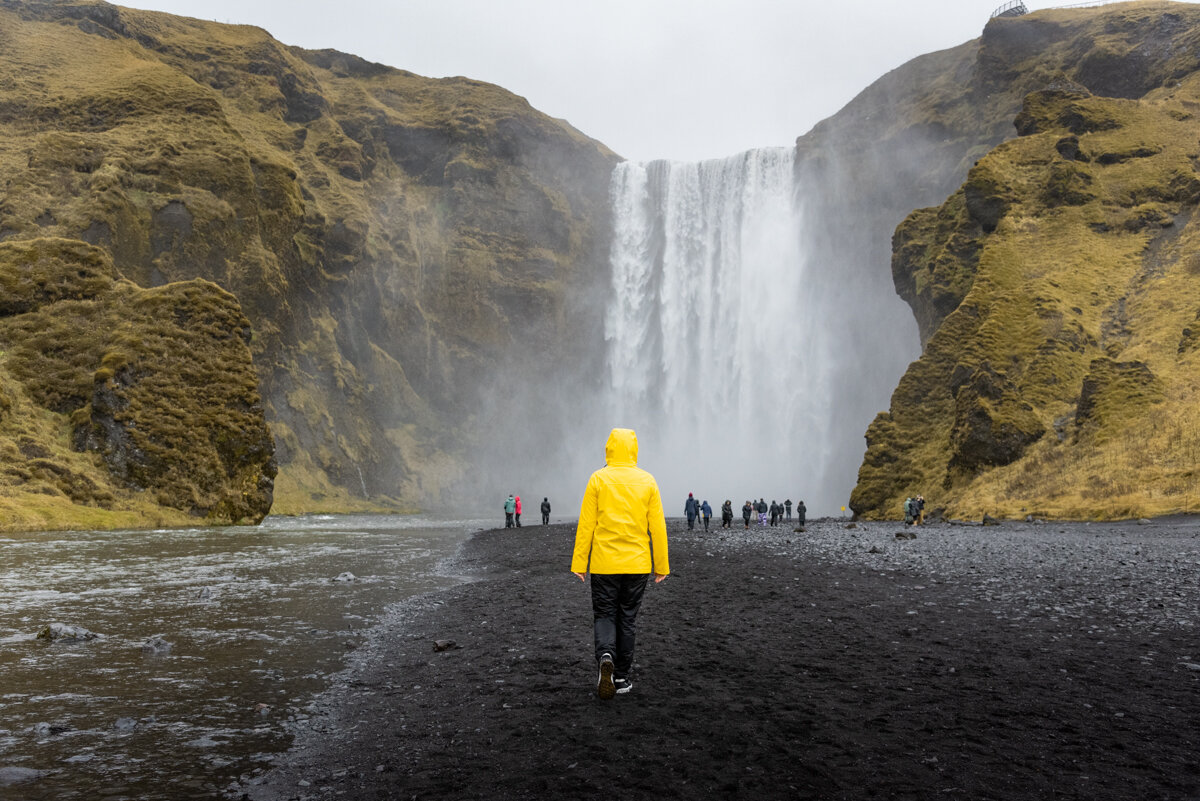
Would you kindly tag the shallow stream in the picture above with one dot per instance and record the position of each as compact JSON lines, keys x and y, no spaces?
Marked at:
{"x":209,"y":641}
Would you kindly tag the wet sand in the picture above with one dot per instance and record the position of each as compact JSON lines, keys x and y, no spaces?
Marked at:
{"x":1023,"y":661}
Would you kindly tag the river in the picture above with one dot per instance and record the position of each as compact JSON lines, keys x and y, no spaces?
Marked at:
{"x":210,"y":643}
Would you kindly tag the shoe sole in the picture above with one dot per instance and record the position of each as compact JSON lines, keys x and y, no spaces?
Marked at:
{"x":606,"y":688}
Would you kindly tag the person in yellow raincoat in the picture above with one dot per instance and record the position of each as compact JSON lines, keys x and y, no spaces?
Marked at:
{"x":621,"y":539}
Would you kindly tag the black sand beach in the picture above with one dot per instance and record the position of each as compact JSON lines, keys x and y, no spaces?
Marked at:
{"x":1024,"y":661}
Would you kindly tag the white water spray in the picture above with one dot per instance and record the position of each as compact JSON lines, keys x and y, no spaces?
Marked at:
{"x":714,"y":331}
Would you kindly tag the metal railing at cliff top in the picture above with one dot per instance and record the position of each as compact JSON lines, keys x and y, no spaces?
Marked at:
{"x":1013,"y":8}
{"x":1017,"y":8}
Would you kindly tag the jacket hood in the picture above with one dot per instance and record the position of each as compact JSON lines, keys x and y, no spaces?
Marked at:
{"x":622,"y":448}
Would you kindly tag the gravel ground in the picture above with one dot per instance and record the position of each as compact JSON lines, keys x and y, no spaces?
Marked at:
{"x":1019,"y":661}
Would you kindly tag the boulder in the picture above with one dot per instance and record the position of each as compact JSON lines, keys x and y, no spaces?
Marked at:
{"x":61,"y":631}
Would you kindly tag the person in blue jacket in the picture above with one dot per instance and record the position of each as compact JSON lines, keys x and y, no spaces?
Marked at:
{"x":705,"y":513}
{"x":691,"y":510}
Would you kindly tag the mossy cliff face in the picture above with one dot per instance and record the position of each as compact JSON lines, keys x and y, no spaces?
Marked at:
{"x":392,"y":239}
{"x":121,"y":405}
{"x":1055,"y":292}
{"x":909,"y":140}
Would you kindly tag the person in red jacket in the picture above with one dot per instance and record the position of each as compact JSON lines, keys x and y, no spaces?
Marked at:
{"x":518,"y":511}
{"x":621,"y":539}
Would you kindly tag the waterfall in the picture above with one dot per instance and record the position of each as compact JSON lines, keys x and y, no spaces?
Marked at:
{"x":716,"y":331}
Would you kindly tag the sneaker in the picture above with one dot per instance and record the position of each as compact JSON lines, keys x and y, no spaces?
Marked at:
{"x":623,"y":685}
{"x":605,"y":687}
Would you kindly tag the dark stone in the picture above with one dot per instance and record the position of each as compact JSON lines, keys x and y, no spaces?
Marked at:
{"x":445,"y":645}
{"x":992,"y":424}
{"x":1068,"y":148}
{"x":988,"y":520}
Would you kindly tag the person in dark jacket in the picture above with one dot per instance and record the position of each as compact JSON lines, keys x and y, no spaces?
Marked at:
{"x":761,"y":508}
{"x":747,"y":510}
{"x":787,"y":507}
{"x":691,"y":510}
{"x":726,"y":514}
{"x":800,"y":512}
{"x":705,"y":513}
{"x":545,"y":511}
{"x":774,"y":512}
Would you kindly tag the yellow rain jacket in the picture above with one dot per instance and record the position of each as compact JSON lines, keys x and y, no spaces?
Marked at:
{"x":622,"y":516}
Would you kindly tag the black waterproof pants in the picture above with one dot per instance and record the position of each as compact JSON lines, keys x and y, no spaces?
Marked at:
{"x":508,"y":520}
{"x":616,"y":598}
{"x":545,"y":518}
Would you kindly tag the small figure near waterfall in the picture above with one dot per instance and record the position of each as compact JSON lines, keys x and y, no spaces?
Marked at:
{"x":726,"y":514}
{"x":705,"y":513}
{"x":747,"y":510}
{"x":801,"y":511}
{"x":910,"y":510}
{"x":787,"y":506}
{"x":517,"y":508}
{"x":621,"y":539}
{"x":691,"y":510}
{"x":510,"y":506}
{"x":545,"y":511}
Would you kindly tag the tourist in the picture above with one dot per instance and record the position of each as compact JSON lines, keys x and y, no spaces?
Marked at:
{"x":545,"y":511}
{"x":517,"y":509}
{"x":761,"y":508}
{"x":774,"y":512}
{"x":787,"y":507}
{"x":705,"y":513}
{"x":726,"y":514}
{"x":747,"y":510}
{"x":691,"y":510}
{"x":801,"y":511}
{"x":620,"y":540}
{"x":510,"y":506}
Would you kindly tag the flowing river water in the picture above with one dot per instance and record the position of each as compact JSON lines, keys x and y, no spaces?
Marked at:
{"x":210,"y":642}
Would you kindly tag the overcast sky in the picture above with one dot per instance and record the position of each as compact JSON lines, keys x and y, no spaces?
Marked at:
{"x":649,"y":78}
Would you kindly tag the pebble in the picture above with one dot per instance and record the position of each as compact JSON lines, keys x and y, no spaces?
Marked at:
{"x":1103,"y":573}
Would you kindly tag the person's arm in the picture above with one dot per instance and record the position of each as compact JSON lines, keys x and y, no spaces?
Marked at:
{"x":657,"y":523}
{"x":584,"y":531}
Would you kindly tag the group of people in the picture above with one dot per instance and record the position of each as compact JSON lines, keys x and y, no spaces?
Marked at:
{"x":695,"y":510}
{"x":512,"y":511}
{"x":777,"y":512}
{"x":914,"y":510}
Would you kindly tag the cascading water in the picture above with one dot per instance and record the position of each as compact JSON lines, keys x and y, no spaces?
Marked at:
{"x":717,"y":352}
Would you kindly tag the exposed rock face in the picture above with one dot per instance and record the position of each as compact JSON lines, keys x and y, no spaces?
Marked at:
{"x":992,"y":424}
{"x":393,"y":240}
{"x":159,"y":382}
{"x":1056,"y":286}
{"x":913,"y":137}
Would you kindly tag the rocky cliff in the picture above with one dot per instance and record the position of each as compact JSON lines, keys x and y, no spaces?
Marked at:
{"x":405,"y":249}
{"x":1055,"y":289}
{"x":124,"y":406}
